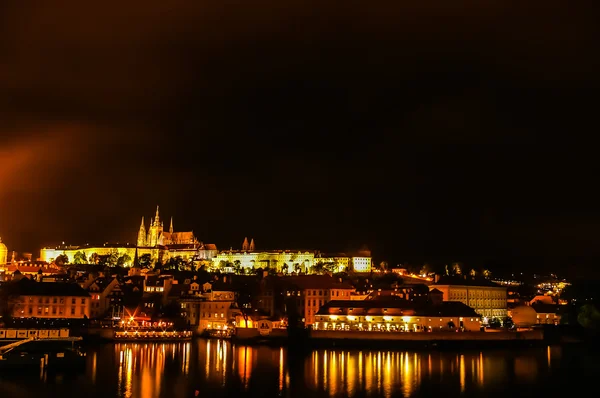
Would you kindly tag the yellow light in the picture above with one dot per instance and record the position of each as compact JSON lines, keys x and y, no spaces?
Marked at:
{"x":406,"y":319}
{"x":369,"y":319}
{"x":333,"y":317}
{"x":351,"y":318}
{"x":387,"y":318}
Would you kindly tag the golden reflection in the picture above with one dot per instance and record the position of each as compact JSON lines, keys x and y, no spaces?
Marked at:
{"x":480,"y":371}
{"x":462,"y":373}
{"x":245,"y":365}
{"x":281,"y":372}
{"x":207,"y":368}
{"x":186,"y":361}
{"x":549,"y":357}
{"x":369,"y":372}
{"x":224,"y":358}
{"x":407,"y":376}
{"x":333,"y":374}
{"x":94,"y":359}
{"x":378,"y":367}
{"x":325,"y":370}
{"x":351,"y":374}
{"x":360,"y":370}
{"x":129,"y":374}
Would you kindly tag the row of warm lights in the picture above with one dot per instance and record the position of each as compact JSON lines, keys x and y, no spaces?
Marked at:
{"x":153,"y":334}
{"x":387,"y":318}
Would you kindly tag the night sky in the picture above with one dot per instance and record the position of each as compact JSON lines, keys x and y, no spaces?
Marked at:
{"x":429,"y":133}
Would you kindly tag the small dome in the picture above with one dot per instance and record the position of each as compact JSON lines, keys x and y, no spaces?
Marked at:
{"x":3,"y":246}
{"x":524,"y":316}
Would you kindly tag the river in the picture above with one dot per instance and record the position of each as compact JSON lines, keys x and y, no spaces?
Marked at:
{"x":217,"y":368}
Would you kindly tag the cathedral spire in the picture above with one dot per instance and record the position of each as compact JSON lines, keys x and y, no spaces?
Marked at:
{"x":245,"y":244}
{"x":141,"y":240}
{"x":136,"y":260}
{"x":252,"y":248}
{"x":171,"y":227}
{"x":157,"y":218}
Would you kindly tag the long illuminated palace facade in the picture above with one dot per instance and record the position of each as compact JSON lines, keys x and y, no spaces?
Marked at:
{"x":162,"y":245}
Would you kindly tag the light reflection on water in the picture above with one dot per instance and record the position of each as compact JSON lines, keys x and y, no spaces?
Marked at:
{"x":220,"y":368}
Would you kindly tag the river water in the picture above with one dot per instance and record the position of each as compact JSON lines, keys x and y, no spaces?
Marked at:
{"x":217,"y":368}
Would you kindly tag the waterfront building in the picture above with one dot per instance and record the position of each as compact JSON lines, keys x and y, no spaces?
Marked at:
{"x":547,"y":313}
{"x":219,"y":309}
{"x":106,"y":297}
{"x":308,"y":293}
{"x":49,"y":300}
{"x":487,"y":298}
{"x":396,"y":316}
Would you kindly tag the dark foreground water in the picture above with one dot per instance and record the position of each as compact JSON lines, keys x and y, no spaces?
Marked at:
{"x":218,"y":369}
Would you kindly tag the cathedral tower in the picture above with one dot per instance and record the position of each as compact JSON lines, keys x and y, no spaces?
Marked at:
{"x":141,"y":240}
{"x":252,"y":248}
{"x":245,"y":244}
{"x":156,"y":230}
{"x":171,"y":227}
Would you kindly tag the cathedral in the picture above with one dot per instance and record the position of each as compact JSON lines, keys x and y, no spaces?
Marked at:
{"x":157,"y":236}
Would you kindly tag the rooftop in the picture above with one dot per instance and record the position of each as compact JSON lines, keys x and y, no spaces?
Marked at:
{"x":26,"y":287}
{"x":465,"y":281}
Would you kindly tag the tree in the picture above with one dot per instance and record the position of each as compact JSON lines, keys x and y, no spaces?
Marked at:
{"x":145,"y":260}
{"x":508,"y":323}
{"x":330,"y":267}
{"x":112,"y":258}
{"x":80,"y":258}
{"x":487,"y":273}
{"x":61,"y":260}
{"x":297,"y":268}
{"x":589,"y":317}
{"x":383,"y":266}
{"x":285,"y":269}
{"x":456,"y":269}
{"x":94,"y":258}
{"x":425,"y":269}
{"x":473,"y":272}
{"x":237,"y":266}
{"x":124,"y":259}
{"x":495,"y":323}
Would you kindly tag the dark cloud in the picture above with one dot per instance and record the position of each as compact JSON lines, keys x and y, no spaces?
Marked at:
{"x":421,"y":129}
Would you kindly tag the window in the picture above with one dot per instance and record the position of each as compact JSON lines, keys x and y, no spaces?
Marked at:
{"x":72,"y":301}
{"x":72,"y":310}
{"x":82,"y":310}
{"x":53,"y":310}
{"x":54,"y":300}
{"x":82,"y":301}
{"x":62,"y":300}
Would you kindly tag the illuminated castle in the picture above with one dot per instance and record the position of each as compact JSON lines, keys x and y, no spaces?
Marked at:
{"x":156,"y":236}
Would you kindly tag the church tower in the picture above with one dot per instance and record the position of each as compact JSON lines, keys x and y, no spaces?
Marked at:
{"x":245,"y":244}
{"x":156,"y":230}
{"x":171,"y":227}
{"x":141,"y":240}
{"x":252,"y":248}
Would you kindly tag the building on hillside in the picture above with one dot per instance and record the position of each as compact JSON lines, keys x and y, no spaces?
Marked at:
{"x":547,"y":313}
{"x":49,"y":300}
{"x":32,"y":270}
{"x":311,"y":292}
{"x":414,"y":293}
{"x":219,"y":310}
{"x":106,"y":298}
{"x":3,"y":253}
{"x":342,"y":262}
{"x":396,"y":316}
{"x":159,"y":244}
{"x":487,"y":298}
